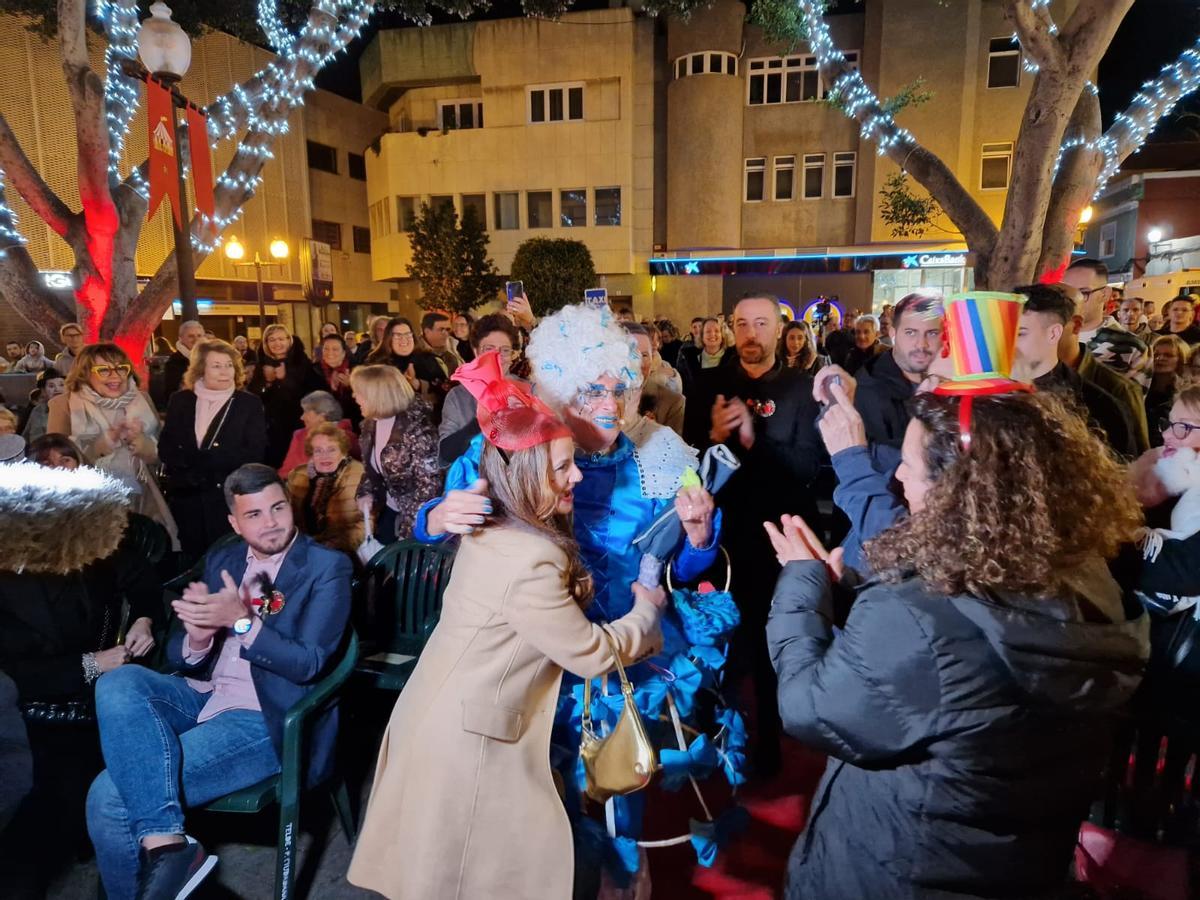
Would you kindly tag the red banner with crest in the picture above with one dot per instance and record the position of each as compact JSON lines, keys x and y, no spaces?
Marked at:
{"x":202,"y":180}
{"x":164,"y":172}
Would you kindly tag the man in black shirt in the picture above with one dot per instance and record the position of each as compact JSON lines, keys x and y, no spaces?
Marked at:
{"x":765,"y":414}
{"x":190,"y":334}
{"x":1181,"y":321}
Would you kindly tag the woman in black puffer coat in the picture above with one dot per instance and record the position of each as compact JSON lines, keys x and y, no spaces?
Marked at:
{"x":967,"y":704}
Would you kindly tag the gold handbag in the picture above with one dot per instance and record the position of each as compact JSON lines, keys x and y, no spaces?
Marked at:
{"x":624,"y":760}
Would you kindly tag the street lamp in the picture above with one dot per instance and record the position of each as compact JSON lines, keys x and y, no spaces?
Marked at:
{"x":235,"y":252}
{"x":1154,"y":235}
{"x":166,"y":52}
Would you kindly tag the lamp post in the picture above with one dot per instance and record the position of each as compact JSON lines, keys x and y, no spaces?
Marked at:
{"x":235,"y":251}
{"x":166,"y":53}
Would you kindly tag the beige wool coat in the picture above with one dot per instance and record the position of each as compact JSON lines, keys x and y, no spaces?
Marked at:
{"x":464,"y":804}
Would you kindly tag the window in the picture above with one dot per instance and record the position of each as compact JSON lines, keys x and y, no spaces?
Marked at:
{"x":1004,"y":63}
{"x":456,"y":114}
{"x":356,"y":166}
{"x":508,"y":210}
{"x":556,"y":103}
{"x":539,"y":206}
{"x":381,"y":217}
{"x":707,"y":62}
{"x":792,"y":79}
{"x":844,"y":165}
{"x":1108,"y":240}
{"x":406,"y":213}
{"x":997,"y":162}
{"x":329,"y":232}
{"x":756,"y":173}
{"x":322,"y":157}
{"x":477,"y":205}
{"x":572,"y":208}
{"x":437,"y":201}
{"x":362,"y":239}
{"x":785,"y":176}
{"x":814,"y":176}
{"x":608,"y":206}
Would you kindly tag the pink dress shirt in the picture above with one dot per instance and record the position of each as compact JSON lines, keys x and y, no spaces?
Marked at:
{"x":231,"y":686}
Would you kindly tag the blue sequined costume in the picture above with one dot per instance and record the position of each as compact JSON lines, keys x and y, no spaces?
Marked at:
{"x":611,"y":509}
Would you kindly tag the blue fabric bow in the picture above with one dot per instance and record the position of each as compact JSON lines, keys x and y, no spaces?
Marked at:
{"x":686,"y":683}
{"x":618,"y":855}
{"x":709,"y":837}
{"x":697,"y":761}
{"x":710,"y":661}
{"x":733,"y":756}
{"x":707,"y":619}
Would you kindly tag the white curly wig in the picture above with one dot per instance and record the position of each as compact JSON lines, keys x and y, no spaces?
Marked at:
{"x":578,"y":344}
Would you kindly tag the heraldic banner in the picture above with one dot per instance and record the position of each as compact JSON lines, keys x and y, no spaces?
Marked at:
{"x":202,"y":180}
{"x":164,"y":174}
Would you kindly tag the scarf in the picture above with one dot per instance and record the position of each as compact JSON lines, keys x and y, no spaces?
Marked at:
{"x":329,"y":371}
{"x":208,"y":404}
{"x":321,"y":487}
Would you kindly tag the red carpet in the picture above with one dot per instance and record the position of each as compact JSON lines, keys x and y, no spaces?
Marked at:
{"x":752,"y":867}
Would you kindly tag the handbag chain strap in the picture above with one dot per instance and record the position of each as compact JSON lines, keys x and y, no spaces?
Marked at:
{"x":626,"y":687}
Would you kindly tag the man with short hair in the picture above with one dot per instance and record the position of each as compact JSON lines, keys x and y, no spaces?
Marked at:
{"x":1131,"y":316}
{"x":240,"y":344}
{"x":435,"y":329}
{"x":1115,"y":346}
{"x":887,"y":382}
{"x":697,"y":325}
{"x":253,"y":638}
{"x":13,"y":351}
{"x":190,"y":334}
{"x":1049,"y":312}
{"x":866,"y":343}
{"x":765,"y":414}
{"x":1181,"y":319}
{"x":623,"y":314}
{"x":71,"y":337}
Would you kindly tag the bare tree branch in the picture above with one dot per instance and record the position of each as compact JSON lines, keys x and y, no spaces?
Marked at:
{"x":1073,"y":185}
{"x":20,"y":174}
{"x":1156,"y":99}
{"x":22,"y":287}
{"x":1035,"y":31}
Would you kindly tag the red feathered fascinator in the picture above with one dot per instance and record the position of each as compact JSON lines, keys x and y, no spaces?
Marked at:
{"x":510,"y":417}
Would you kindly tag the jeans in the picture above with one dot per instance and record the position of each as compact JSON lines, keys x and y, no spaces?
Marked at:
{"x":159,"y":761}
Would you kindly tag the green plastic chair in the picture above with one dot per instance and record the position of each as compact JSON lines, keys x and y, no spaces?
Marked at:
{"x":286,"y":787}
{"x":399,"y":601}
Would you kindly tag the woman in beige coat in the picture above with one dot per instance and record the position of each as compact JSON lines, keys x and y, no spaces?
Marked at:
{"x":464,"y":804}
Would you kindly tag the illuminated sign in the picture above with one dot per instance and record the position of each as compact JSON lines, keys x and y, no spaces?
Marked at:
{"x":58,"y":281}
{"x":935,"y":261}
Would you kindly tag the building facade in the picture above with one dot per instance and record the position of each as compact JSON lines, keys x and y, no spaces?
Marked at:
{"x":291,"y":200}
{"x":694,"y":158}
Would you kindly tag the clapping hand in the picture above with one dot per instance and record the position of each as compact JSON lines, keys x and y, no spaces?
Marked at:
{"x":794,"y":541}
{"x":204,"y":614}
{"x":729,"y":416}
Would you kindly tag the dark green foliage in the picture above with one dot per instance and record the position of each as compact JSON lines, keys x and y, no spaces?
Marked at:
{"x":450,"y":259}
{"x":906,"y":213}
{"x":555,"y":272}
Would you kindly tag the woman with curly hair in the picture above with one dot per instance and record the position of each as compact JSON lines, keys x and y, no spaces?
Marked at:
{"x":967,"y":701}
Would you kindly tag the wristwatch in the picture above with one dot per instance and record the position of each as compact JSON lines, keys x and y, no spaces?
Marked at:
{"x":242,"y":625}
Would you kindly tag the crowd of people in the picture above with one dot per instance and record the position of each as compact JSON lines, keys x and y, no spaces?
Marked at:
{"x":956,"y":530}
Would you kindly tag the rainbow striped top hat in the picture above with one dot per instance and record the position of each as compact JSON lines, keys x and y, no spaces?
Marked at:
{"x":980,"y":336}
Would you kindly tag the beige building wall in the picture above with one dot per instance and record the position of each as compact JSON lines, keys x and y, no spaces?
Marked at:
{"x":348,"y":127}
{"x":609,"y":52}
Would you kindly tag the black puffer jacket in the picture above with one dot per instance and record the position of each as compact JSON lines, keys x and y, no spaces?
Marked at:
{"x":965,"y":736}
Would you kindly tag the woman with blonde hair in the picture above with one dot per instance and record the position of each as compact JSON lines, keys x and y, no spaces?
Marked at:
{"x":463,"y":789}
{"x":212,"y":428}
{"x":399,"y":451}
{"x":282,"y":376}
{"x":111,"y":420}
{"x":323,"y":490}
{"x":1170,"y":356}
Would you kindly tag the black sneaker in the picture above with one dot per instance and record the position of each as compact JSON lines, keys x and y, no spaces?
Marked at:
{"x":174,"y":871}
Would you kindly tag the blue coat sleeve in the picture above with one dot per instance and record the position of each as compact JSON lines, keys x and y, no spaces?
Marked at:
{"x":462,"y":473}
{"x":304,"y":658}
{"x":864,"y":494}
{"x":866,"y":695}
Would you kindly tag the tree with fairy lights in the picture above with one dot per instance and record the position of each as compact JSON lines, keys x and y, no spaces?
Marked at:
{"x":1063,"y":157}
{"x":103,"y":233}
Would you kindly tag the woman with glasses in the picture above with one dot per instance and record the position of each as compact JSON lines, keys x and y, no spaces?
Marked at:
{"x":111,"y":420}
{"x":213,"y":427}
{"x":459,"y":423}
{"x":399,"y":350}
{"x":323,"y":490}
{"x":284,"y":374}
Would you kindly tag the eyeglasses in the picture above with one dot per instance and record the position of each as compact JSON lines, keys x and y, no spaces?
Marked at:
{"x":505,"y":352}
{"x":402,"y":335}
{"x":1087,"y":292}
{"x":595,"y":393}
{"x":105,"y":371}
{"x":1181,"y":430}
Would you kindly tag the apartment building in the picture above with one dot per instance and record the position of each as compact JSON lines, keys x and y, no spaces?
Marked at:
{"x":694,"y":158}
{"x":293,"y":199}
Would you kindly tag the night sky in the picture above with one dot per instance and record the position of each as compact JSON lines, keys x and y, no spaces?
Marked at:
{"x":1153,"y":33}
